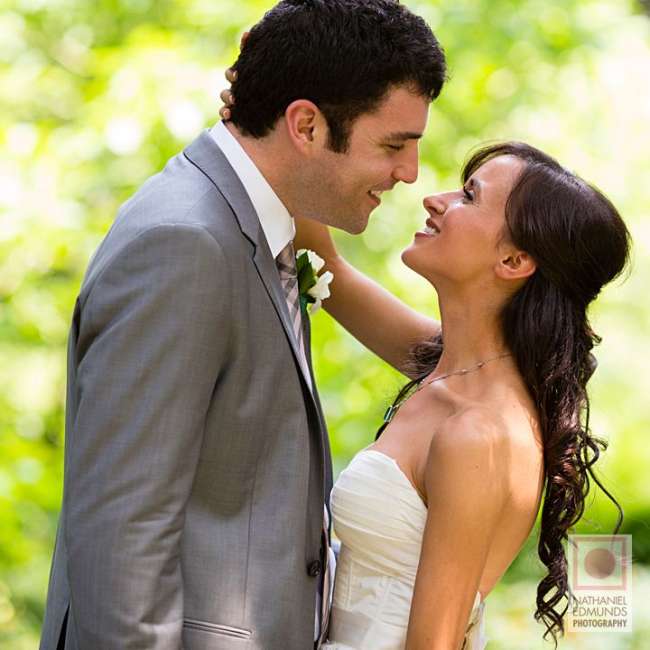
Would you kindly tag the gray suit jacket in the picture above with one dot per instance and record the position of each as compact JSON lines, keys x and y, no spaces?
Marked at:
{"x":196,"y":457}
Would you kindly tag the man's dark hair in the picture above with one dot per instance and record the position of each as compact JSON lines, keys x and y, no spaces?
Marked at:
{"x":343,"y":55}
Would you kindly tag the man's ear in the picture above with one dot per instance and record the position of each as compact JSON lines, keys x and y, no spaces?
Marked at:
{"x":515,"y":265}
{"x":306,"y":125}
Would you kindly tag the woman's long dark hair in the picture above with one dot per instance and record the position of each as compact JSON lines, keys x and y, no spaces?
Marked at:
{"x":579,"y":243}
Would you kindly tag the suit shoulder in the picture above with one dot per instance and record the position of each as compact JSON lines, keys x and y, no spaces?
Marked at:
{"x":179,"y":193}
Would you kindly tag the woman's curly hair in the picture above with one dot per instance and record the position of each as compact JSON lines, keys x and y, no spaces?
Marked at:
{"x":579,"y":243}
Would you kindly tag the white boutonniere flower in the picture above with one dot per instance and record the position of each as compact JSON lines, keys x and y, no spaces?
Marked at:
{"x":313,"y":288}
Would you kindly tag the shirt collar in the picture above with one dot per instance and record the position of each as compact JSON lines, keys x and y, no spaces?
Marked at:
{"x":278,"y":225}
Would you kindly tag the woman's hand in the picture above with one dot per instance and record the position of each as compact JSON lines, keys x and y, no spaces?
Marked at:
{"x":231,"y":76}
{"x":227,"y":97}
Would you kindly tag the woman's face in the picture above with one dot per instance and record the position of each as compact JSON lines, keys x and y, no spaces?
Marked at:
{"x":463,"y":239}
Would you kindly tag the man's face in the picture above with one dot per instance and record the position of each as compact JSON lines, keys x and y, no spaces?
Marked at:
{"x":343,"y":189}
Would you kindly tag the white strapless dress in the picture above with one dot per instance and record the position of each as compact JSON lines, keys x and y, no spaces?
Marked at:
{"x":379,"y":518}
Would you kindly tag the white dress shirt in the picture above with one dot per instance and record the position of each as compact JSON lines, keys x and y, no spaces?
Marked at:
{"x":278,"y":225}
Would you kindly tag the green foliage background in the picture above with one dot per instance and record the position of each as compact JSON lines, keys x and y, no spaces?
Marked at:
{"x":96,"y":96}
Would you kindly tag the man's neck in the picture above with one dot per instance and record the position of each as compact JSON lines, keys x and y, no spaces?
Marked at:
{"x":269,"y":157}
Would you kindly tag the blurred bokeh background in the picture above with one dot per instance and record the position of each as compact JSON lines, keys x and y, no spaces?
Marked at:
{"x":96,"y":96}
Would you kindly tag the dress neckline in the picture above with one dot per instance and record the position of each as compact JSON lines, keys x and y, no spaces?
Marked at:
{"x":393,"y":462}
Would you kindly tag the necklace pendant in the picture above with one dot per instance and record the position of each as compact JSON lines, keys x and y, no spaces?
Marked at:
{"x":388,"y":416}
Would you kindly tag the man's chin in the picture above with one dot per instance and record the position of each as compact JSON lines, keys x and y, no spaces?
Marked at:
{"x":359,"y":228}
{"x":351,"y":225}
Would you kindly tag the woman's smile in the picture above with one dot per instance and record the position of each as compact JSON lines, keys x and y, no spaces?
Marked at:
{"x":430,"y":229}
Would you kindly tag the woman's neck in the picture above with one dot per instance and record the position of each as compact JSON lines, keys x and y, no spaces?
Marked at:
{"x":471,"y":332}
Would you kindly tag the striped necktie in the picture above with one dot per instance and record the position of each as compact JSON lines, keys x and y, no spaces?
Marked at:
{"x":286,"y":263}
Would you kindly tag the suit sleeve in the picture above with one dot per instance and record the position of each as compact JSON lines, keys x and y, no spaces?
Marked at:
{"x":153,"y":340}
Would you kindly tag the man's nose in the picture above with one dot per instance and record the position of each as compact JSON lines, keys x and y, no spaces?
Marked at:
{"x":407,"y":169}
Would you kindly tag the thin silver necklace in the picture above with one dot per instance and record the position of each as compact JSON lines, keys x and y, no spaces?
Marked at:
{"x":392,"y":410}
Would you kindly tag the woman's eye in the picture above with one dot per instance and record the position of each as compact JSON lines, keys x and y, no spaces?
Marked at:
{"x":468,"y":196}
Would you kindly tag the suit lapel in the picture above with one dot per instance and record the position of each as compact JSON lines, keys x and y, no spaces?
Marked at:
{"x":326,"y":442}
{"x":206,"y":155}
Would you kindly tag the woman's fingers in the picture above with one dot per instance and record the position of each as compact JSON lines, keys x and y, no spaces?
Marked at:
{"x":227,"y":97}
{"x":229,"y":101}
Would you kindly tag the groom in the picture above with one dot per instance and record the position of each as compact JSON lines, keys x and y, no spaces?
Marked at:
{"x":197,"y":461}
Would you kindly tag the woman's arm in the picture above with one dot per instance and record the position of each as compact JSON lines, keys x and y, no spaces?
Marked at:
{"x":373,"y":315}
{"x":466,"y":493}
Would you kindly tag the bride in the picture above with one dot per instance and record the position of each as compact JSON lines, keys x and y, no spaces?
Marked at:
{"x":495,"y":416}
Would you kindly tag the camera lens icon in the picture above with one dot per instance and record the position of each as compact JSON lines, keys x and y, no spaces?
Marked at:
{"x":599,"y":562}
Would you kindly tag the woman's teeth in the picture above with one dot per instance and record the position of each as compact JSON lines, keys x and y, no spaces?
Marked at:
{"x":431,"y":230}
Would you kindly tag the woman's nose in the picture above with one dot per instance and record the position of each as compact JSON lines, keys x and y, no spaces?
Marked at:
{"x":435,"y":203}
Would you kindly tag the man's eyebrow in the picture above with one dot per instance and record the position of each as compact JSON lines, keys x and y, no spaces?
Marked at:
{"x":404,"y":135}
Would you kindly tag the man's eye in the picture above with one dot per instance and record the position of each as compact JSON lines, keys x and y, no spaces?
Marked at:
{"x":395,"y":147}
